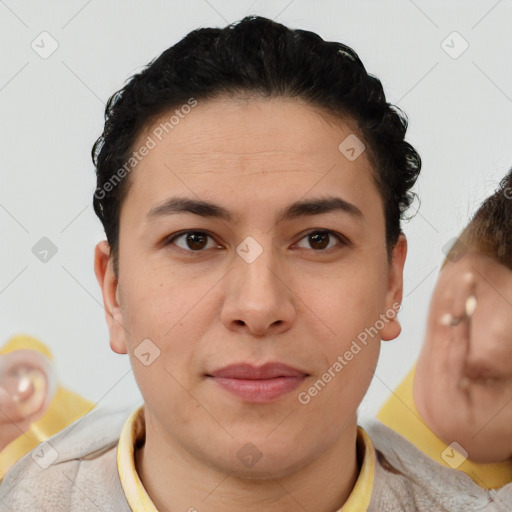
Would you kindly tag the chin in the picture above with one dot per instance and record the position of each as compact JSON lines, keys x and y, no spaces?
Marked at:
{"x":251,"y":463}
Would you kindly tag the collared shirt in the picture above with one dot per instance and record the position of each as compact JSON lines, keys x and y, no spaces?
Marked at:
{"x":134,"y":432}
{"x":78,"y":469}
{"x":400,"y":414}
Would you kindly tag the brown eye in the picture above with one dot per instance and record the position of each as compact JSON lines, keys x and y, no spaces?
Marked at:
{"x":194,"y":241}
{"x":321,"y":240}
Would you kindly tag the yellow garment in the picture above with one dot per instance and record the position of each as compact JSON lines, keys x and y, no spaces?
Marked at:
{"x":64,"y":409}
{"x":134,"y":433}
{"x":400,"y":414}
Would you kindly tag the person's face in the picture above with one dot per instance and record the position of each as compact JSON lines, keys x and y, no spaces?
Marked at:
{"x":466,"y":361}
{"x":255,"y":288}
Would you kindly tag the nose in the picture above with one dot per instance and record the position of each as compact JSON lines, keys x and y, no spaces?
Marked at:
{"x":259,"y":298}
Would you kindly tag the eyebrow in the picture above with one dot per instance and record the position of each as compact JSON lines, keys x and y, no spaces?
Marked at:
{"x":177,"y":205}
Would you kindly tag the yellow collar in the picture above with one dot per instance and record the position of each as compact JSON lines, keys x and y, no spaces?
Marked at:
{"x":359,"y":499}
{"x":134,"y":431}
{"x":400,"y":414}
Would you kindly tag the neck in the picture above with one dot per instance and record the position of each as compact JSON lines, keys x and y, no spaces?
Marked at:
{"x":175,"y":480}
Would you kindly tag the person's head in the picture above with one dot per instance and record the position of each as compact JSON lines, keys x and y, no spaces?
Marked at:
{"x":470,"y":317}
{"x":489,"y":233}
{"x":255,"y":57}
{"x":259,"y":222}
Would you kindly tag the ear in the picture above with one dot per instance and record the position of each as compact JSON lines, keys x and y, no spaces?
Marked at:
{"x":392,"y":328}
{"x":103,"y":268}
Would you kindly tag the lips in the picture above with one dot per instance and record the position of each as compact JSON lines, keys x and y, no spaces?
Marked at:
{"x":258,"y":384}
{"x":248,"y":371}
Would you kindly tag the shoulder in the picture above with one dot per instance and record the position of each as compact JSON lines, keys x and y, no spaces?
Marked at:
{"x":408,"y":480}
{"x":73,"y":470}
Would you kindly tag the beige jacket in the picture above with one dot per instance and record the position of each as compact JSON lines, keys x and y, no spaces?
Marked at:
{"x":76,"y":470}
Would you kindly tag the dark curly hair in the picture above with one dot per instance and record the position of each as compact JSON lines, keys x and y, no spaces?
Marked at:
{"x":255,"y":55}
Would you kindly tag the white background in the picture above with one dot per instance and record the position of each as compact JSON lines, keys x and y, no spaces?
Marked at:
{"x":51,"y":112}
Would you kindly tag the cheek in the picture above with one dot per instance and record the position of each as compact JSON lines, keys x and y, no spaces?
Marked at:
{"x":155,"y":298}
{"x":145,"y":311}
{"x":349,"y":304}
{"x":163,"y":389}
{"x":161,"y":328}
{"x":351,"y":345}
{"x":347,"y":378}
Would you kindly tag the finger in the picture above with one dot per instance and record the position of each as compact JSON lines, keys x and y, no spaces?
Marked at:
{"x":25,"y":388}
{"x":9,"y":411}
{"x":18,"y":385}
{"x":455,"y":327}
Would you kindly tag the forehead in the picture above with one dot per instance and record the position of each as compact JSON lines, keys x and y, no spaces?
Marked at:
{"x":251,"y":128}
{"x":261,"y":149}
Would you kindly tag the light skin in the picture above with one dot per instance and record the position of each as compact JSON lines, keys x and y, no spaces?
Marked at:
{"x":301,"y":302}
{"x":463,"y":382}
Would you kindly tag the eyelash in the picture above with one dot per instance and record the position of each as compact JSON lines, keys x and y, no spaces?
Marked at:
{"x":343,"y":241}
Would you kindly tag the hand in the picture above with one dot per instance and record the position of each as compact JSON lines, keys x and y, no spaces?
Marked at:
{"x":24,"y":392}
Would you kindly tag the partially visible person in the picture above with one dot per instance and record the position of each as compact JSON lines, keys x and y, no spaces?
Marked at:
{"x":456,"y":403}
{"x":33,"y":406}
